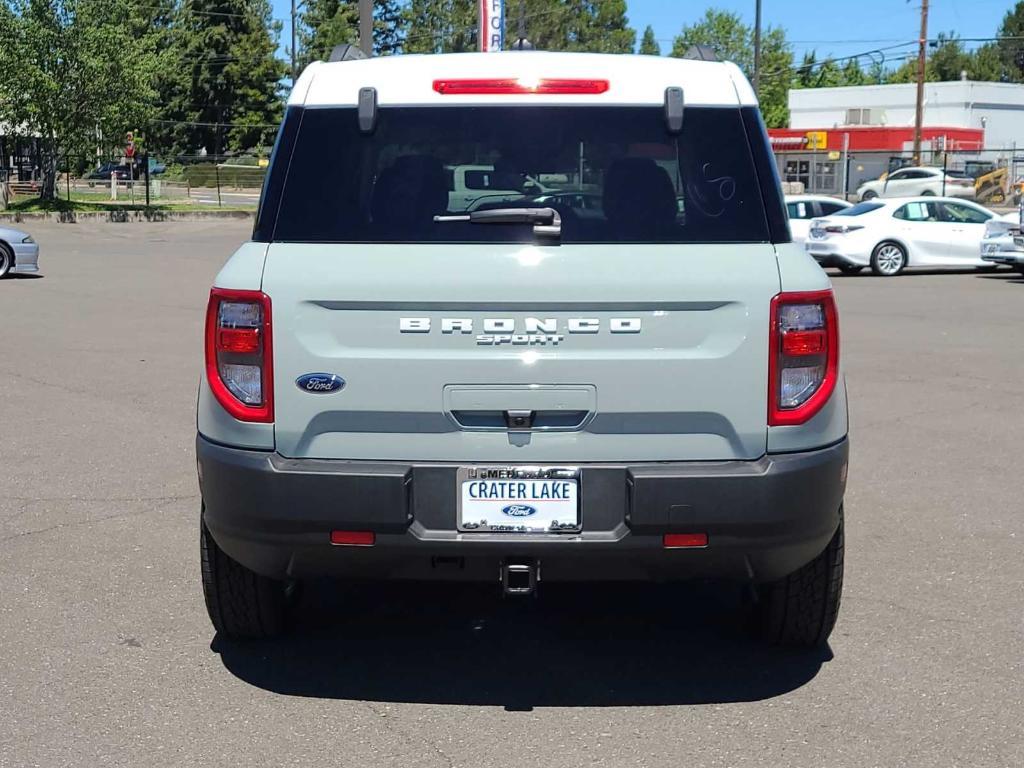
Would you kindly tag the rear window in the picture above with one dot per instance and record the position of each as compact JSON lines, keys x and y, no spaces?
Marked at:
{"x":615,"y":174}
{"x":859,"y":208}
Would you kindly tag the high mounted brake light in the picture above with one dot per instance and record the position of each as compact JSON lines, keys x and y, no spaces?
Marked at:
{"x":514,"y":85}
{"x":803,"y":356}
{"x":239,"y":353}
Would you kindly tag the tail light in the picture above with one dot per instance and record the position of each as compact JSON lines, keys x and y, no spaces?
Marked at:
{"x":239,"y":353}
{"x":842,"y":229}
{"x":803,"y":356}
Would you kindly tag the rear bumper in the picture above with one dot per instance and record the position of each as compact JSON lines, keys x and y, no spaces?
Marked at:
{"x":1012,"y":258}
{"x":763,"y":518}
{"x":829,"y":253}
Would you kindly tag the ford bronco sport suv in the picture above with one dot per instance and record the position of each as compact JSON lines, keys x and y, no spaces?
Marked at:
{"x":511,"y":391}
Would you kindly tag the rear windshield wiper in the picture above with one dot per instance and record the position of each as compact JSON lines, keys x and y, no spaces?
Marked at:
{"x":546,"y":221}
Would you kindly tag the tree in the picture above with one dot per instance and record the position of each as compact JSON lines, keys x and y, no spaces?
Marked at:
{"x":649,"y":45}
{"x":724,"y":32}
{"x":1011,"y":44}
{"x":949,"y":60}
{"x":440,"y":26}
{"x":229,"y":96}
{"x":733,"y":40}
{"x":72,"y":76}
{"x":324,"y":24}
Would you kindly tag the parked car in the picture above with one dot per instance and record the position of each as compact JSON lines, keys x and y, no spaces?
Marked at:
{"x":1003,"y":242}
{"x":891,"y":235}
{"x":107,"y":171}
{"x":394,"y":390}
{"x":802,"y":208}
{"x":584,"y":204}
{"x":19,"y":253}
{"x":914,"y":182}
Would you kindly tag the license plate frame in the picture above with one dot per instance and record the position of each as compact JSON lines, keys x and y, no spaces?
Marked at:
{"x":482,"y":515}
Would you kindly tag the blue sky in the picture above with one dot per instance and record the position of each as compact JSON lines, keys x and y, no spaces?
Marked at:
{"x":829,"y":27}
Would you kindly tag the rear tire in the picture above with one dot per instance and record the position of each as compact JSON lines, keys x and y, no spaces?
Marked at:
{"x":242,"y":604}
{"x":927,"y":193}
{"x":888,"y":259}
{"x":801,"y":609}
{"x":6,"y":260}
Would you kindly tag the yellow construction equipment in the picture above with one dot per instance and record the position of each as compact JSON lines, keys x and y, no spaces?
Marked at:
{"x":991,"y":187}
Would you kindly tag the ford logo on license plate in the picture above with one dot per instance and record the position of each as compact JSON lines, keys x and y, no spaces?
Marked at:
{"x":518,"y":510}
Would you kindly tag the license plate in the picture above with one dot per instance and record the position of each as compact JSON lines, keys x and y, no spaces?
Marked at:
{"x":518,"y":499}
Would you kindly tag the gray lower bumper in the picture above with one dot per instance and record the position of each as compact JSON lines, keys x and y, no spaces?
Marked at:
{"x":764,"y":518}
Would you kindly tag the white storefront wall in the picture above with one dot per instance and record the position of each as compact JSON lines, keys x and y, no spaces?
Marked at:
{"x":998,"y":108}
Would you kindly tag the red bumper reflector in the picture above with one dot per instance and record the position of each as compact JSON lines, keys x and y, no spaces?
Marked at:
{"x":684,"y":540}
{"x":801,"y":343}
{"x":512,"y":85}
{"x":353,"y":538}
{"x":244,"y":340}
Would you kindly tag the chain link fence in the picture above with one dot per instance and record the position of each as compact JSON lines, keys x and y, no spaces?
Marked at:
{"x":184,"y":181}
{"x":991,"y":177}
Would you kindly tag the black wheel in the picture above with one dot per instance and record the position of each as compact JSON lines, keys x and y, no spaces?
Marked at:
{"x":850,"y":269}
{"x":242,"y":604}
{"x":869,"y":195}
{"x":927,"y":193}
{"x":801,"y":609}
{"x":1020,"y":270}
{"x":6,"y":260}
{"x":888,"y":259}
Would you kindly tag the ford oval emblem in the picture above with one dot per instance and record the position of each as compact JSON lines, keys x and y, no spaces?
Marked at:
{"x":320,"y":383}
{"x":518,"y":510}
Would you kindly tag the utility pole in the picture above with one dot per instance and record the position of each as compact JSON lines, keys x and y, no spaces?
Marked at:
{"x":366,"y":26}
{"x":294,"y":73}
{"x":921,"y":60}
{"x":757,"y":47}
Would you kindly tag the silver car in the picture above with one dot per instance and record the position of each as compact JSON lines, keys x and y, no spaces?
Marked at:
{"x":19,"y":253}
{"x":1003,"y":243}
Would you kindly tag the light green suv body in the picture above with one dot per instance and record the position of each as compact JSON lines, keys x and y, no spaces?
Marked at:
{"x":394,"y":389}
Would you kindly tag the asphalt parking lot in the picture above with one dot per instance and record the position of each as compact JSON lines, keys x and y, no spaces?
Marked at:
{"x":107,"y":657}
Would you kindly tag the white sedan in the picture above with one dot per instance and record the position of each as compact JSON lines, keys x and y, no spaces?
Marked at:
{"x":889,"y":235}
{"x":802,"y":208}
{"x":907,"y":182}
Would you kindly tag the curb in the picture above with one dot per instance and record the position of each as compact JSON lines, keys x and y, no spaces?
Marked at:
{"x":122,"y":217}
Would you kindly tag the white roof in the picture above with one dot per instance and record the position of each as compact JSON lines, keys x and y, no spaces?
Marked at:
{"x":403,"y":80}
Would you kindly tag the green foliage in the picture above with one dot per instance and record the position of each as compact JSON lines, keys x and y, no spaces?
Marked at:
{"x":72,"y":76}
{"x":228,"y":96}
{"x":1007,"y":49}
{"x":440,"y":26}
{"x":732,"y":40}
{"x":649,"y":45}
{"x":324,"y":24}
{"x":447,"y":26}
{"x":950,"y":60}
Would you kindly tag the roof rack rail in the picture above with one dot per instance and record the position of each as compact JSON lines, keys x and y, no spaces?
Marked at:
{"x":346,"y":52}
{"x":701,"y":53}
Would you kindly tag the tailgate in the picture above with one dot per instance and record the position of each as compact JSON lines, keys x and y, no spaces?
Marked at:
{"x":612,"y":353}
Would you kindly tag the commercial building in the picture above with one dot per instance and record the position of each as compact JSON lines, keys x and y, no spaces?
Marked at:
{"x":840,"y":137}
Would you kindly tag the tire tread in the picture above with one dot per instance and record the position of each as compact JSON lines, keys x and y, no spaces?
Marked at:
{"x":801,"y":609}
{"x":241,"y":603}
